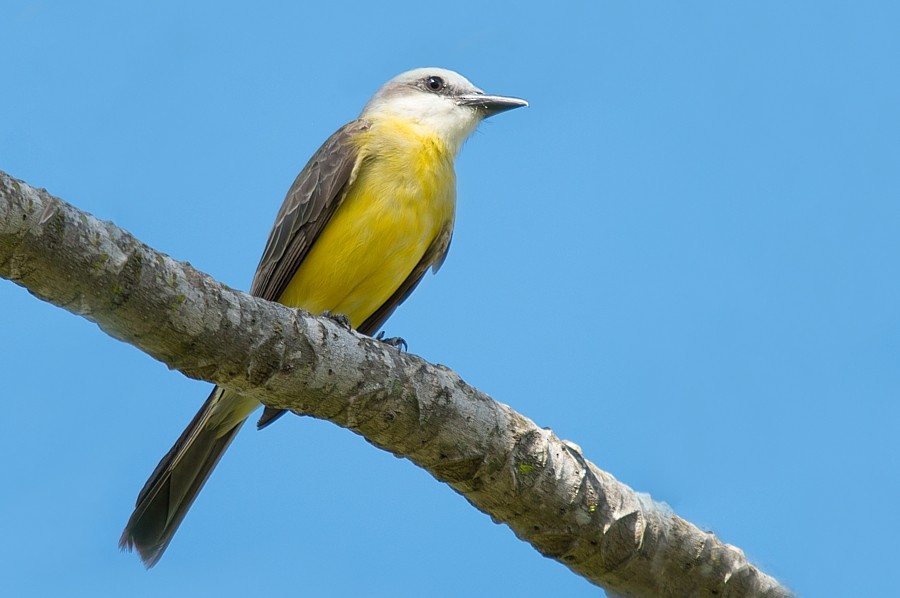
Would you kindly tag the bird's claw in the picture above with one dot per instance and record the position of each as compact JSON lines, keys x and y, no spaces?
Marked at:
{"x":396,"y":342}
{"x":341,"y":320}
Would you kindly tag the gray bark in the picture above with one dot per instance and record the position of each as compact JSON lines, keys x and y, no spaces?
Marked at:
{"x":500,"y":461}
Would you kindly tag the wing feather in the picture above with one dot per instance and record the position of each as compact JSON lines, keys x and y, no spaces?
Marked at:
{"x":311,"y":201}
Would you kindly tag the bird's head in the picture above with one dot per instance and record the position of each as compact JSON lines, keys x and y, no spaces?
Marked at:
{"x":439,"y":99}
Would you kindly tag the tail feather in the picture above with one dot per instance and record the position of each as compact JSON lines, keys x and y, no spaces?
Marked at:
{"x":178,"y":478}
{"x":269,"y":415}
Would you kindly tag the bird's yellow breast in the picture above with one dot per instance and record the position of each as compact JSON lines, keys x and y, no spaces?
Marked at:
{"x":402,"y":197}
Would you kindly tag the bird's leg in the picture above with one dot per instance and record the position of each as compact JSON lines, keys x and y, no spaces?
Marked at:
{"x":396,"y":342}
{"x":341,"y":320}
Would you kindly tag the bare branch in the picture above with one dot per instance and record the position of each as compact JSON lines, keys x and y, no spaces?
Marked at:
{"x":505,"y":465}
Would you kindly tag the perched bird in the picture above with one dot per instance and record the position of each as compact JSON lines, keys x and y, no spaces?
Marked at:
{"x":368,"y":215}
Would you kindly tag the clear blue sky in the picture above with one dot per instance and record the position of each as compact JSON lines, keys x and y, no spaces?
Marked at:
{"x":684,"y":256}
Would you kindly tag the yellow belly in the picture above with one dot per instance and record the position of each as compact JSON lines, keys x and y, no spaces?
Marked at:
{"x":403,"y":196}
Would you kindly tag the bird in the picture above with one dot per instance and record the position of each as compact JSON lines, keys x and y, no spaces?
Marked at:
{"x":370,"y":213}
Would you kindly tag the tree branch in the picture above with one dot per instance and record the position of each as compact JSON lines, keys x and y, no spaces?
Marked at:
{"x":500,"y":461}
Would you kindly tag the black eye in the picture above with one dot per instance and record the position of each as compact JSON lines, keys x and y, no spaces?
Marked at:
{"x":434,"y":83}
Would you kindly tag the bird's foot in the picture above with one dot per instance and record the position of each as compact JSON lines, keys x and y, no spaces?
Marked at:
{"x":396,"y":342}
{"x":341,"y":320}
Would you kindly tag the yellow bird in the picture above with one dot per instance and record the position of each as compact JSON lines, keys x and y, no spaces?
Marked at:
{"x":368,"y":215}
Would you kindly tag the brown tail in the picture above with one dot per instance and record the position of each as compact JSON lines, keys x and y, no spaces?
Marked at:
{"x":176,"y":481}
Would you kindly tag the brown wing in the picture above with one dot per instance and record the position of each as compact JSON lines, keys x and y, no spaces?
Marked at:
{"x":311,"y":201}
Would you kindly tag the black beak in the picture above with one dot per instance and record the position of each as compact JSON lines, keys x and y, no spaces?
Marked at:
{"x":490,"y":105}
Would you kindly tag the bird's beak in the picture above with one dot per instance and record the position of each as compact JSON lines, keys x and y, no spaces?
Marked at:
{"x":490,"y":105}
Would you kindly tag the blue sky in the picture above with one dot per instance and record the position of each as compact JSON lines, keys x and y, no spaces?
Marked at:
{"x":683,"y":256}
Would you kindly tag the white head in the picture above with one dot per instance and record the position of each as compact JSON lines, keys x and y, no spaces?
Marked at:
{"x":441,"y":100}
